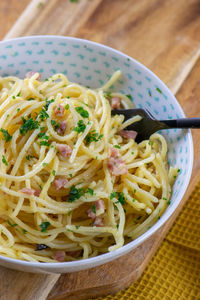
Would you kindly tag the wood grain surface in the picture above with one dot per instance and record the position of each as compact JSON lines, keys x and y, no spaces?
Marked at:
{"x":165,"y":36}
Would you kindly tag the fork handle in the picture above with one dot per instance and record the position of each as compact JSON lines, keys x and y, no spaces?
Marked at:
{"x":183,"y":123}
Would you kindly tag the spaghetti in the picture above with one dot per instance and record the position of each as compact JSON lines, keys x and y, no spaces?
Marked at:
{"x":73,"y":182}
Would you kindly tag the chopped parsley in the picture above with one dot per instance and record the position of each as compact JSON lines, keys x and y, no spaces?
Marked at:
{"x":44,"y":143}
{"x":24,"y":231}
{"x":134,"y":191}
{"x":93,"y":208}
{"x":43,"y":136}
{"x":48,"y":102}
{"x":28,"y":157}
{"x":77,"y":226}
{"x":108,"y":95}
{"x":69,"y":213}
{"x":149,"y":142}
{"x":164,"y":198}
{"x":84,"y":113}
{"x":113,"y":195}
{"x":55,"y":124}
{"x":90,"y":191}
{"x":44,"y":226}
{"x":119,"y":196}
{"x":70,"y":175}
{"x":18,"y":110}
{"x":12,"y":225}
{"x":74,"y":1}
{"x":67,"y":106}
{"x":133,"y":200}
{"x":159,"y":90}
{"x":18,"y":95}
{"x":169,"y":202}
{"x":7,"y":136}
{"x":44,"y":164}
{"x":30,"y":99}
{"x":13,"y":97}
{"x":117,"y":226}
{"x":80,"y":126}
{"x":43,"y":115}
{"x":117,"y":146}
{"x":27,"y":125}
{"x":130,"y":97}
{"x":75,"y":193}
{"x":54,"y":173}
{"x":4,"y":161}
{"x":93,"y":136}
{"x":178,"y":171}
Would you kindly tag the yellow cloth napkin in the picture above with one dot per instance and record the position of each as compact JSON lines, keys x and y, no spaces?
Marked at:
{"x":174,"y":272}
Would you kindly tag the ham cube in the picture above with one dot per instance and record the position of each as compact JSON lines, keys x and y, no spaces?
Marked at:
{"x":64,"y":150}
{"x":115,"y":102}
{"x":59,"y":183}
{"x":128,"y":134}
{"x":59,"y":110}
{"x":59,"y":256}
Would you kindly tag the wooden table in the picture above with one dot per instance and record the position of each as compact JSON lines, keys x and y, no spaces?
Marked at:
{"x":162,"y":34}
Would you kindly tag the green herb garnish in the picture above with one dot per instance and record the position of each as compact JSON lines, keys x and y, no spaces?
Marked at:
{"x":44,"y":143}
{"x":28,"y":125}
{"x":4,"y":161}
{"x":43,"y":115}
{"x":117,"y":146}
{"x":84,"y":113}
{"x":75,"y":193}
{"x":12,"y":225}
{"x":130,"y":97}
{"x":67,"y":106}
{"x":80,"y":126}
{"x":7,"y":136}
{"x":159,"y":90}
{"x":93,"y":136}
{"x":54,"y":173}
{"x":48,"y":102}
{"x":55,"y":124}
{"x":28,"y":157}
{"x":93,"y":208}
{"x":90,"y":191}
{"x":44,"y":226}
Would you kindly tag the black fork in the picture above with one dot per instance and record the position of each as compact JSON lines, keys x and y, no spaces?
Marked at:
{"x":148,"y":124}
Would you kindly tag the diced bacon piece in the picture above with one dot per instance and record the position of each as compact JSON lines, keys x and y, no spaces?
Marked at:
{"x":99,"y":209}
{"x":128,"y":134}
{"x":59,"y":255}
{"x":91,"y":214}
{"x":113,"y":152}
{"x":59,"y":110}
{"x":62,"y":127}
{"x":98,"y":222}
{"x":74,"y":254}
{"x":59,"y":183}
{"x":27,"y":191}
{"x":37,"y":193}
{"x":117,"y":166}
{"x":115,"y":102}
{"x":31,"y":73}
{"x":64,"y":150}
{"x":99,"y":204}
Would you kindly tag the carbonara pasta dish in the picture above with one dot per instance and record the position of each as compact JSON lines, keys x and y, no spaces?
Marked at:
{"x":73,"y":182}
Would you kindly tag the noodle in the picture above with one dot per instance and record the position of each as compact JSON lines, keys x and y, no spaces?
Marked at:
{"x":71,"y":185}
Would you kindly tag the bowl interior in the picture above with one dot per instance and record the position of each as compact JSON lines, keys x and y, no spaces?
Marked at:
{"x":92,"y":65}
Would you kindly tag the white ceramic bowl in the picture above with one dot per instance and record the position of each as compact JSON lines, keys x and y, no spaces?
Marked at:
{"x":91,"y":64}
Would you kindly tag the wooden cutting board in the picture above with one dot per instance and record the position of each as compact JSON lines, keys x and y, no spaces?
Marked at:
{"x":165,"y":36}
